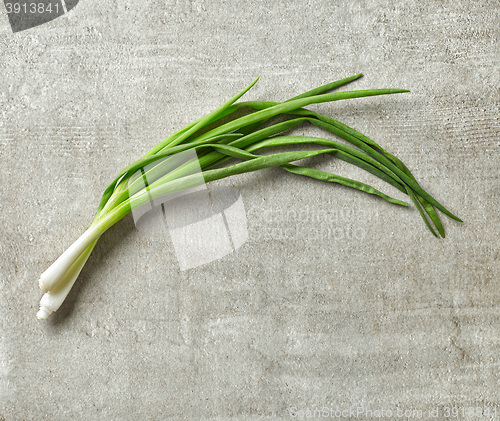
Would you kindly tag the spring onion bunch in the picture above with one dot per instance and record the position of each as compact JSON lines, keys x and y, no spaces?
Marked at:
{"x":223,"y":135}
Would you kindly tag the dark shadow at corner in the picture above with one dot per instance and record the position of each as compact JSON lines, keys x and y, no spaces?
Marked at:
{"x":24,"y":14}
{"x":70,"y":4}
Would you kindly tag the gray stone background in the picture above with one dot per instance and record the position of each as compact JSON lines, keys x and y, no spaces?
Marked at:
{"x":337,"y":299}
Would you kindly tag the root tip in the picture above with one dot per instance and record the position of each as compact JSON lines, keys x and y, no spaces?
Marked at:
{"x":43,"y":313}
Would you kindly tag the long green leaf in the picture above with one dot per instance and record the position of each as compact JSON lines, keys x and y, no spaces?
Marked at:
{"x":333,"y":178}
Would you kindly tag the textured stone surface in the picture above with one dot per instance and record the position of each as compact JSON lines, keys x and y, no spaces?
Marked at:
{"x":336,"y":300}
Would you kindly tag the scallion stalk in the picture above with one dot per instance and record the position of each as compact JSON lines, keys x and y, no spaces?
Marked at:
{"x":239,"y":138}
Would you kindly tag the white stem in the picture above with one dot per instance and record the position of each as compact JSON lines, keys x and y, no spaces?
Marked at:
{"x":52,"y":300}
{"x":54,"y":274}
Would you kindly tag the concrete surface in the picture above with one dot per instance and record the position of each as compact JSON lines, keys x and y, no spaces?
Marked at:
{"x":336,"y":300}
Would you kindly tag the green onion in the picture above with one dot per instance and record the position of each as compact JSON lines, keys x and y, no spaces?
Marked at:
{"x":238,"y":139}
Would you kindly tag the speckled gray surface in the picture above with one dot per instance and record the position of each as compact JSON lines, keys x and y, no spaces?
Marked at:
{"x":337,"y":300}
